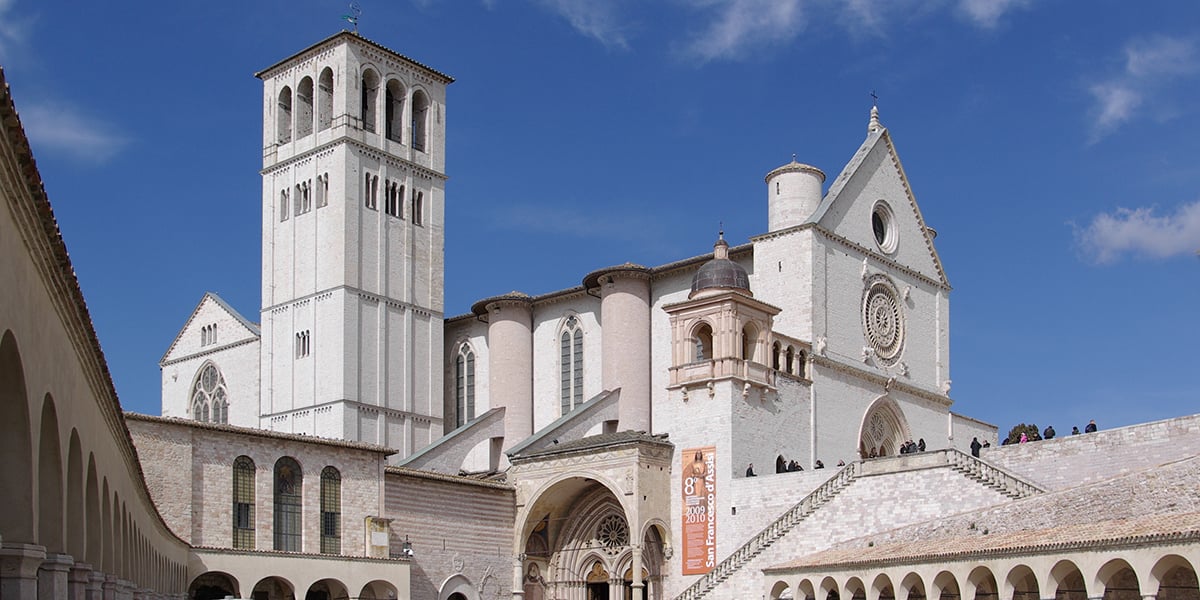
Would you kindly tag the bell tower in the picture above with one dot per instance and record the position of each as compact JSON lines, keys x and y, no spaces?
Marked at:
{"x":353,"y":196}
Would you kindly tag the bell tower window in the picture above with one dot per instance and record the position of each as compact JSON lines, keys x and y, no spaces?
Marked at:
{"x":283,"y":116}
{"x":304,"y":107}
{"x":393,"y":105}
{"x":420,"y":118}
{"x":370,"y":90}
{"x":325,"y":99}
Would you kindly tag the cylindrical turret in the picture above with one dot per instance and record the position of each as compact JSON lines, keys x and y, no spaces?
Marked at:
{"x":793,"y":194}
{"x":510,"y":364}
{"x":625,"y":338}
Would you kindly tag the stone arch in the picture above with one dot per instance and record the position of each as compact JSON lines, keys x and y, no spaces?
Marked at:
{"x":457,"y":586}
{"x":854,"y":589}
{"x":781,"y":590}
{"x":805,"y":590}
{"x":95,"y":530}
{"x":50,"y":481}
{"x":828,"y":589}
{"x":1174,"y":578}
{"x":1066,"y":580}
{"x":107,"y":551}
{"x":981,"y":584}
{"x":213,"y":585}
{"x":369,"y":99}
{"x":777,"y":356}
{"x":304,"y":107}
{"x":883,"y":428}
{"x":945,"y":587}
{"x":273,"y":588}
{"x":751,"y":342}
{"x":76,"y":494}
{"x":393,"y":109}
{"x":912,"y":587}
{"x":325,"y":99}
{"x":1118,"y":580}
{"x":1021,"y":584}
{"x":326,"y":589}
{"x":283,"y":116}
{"x":881,"y":588}
{"x":702,"y":338}
{"x":420,"y":120}
{"x":572,"y":485}
{"x":16,"y":446}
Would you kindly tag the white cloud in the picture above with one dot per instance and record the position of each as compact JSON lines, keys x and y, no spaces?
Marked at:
{"x":1141,"y":232}
{"x":62,"y":129}
{"x":597,"y":19}
{"x":1150,"y":65}
{"x":737,"y":26}
{"x":13,"y":30}
{"x":987,"y":13}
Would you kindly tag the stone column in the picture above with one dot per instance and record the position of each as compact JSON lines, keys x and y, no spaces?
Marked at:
{"x":616,"y":588}
{"x":625,"y":319}
{"x":637,"y":572}
{"x":109,"y":587}
{"x":19,"y":569}
{"x":518,"y":587}
{"x":77,"y":581}
{"x":53,"y":576}
{"x":124,"y":589}
{"x":95,"y":586}
{"x":510,"y":363}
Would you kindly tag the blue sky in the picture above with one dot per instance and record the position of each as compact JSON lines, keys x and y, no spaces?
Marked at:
{"x":1052,"y":145}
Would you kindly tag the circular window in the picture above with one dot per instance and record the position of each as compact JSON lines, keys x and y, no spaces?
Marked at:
{"x":613,"y":534}
{"x":883,"y":320}
{"x":883,"y":226}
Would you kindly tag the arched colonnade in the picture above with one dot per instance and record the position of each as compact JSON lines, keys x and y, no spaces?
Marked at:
{"x":216,"y":585}
{"x":1137,"y":574}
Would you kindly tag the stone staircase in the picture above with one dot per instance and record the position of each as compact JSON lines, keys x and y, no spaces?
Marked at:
{"x":773,"y":532}
{"x":1001,"y":481}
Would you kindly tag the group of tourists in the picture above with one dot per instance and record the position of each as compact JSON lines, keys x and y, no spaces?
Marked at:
{"x":909,"y":447}
{"x":1047,"y":434}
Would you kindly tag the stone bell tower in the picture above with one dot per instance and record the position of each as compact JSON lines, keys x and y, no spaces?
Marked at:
{"x":352,"y":244}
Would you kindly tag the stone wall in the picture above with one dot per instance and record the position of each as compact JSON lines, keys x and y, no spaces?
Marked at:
{"x":189,"y":470}
{"x":458,"y":527}
{"x":1072,"y":460}
{"x":868,"y":505}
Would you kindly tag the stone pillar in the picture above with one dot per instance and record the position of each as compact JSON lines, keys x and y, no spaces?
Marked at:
{"x":518,"y":578}
{"x":625,"y":321}
{"x":95,"y":586}
{"x":616,"y":588}
{"x":53,"y":576}
{"x":124,"y":589}
{"x":77,"y":581}
{"x":19,"y":565}
{"x":510,"y":363}
{"x":637,"y":572}
{"x":109,"y":587}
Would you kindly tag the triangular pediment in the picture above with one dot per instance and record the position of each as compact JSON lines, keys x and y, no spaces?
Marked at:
{"x":875,"y":177}
{"x":231,"y":328}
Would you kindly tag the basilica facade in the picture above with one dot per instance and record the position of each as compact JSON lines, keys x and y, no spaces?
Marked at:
{"x":727,"y":425}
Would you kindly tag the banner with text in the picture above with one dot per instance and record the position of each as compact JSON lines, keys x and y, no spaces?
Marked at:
{"x":699,"y":510}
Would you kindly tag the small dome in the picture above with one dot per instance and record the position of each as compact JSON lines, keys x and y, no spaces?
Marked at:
{"x":720,"y":272}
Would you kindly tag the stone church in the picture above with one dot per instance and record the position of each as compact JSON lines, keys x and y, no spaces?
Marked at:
{"x":728,"y":425}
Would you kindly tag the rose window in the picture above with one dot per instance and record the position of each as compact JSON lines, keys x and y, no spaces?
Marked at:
{"x":612,"y":534}
{"x":883,"y":321}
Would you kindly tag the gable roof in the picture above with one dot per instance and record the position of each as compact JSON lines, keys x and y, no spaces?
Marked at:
{"x":251,"y":327}
{"x":876,"y":136}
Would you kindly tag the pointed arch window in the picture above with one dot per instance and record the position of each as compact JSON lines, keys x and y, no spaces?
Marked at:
{"x":464,"y":385}
{"x":571,"y":364}
{"x":331,"y":511}
{"x":289,"y":480}
{"x":243,"y":503}
{"x":210,"y":400}
{"x":418,"y":207}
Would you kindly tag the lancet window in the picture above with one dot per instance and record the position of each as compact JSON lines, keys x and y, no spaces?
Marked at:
{"x":210,"y":400}
{"x":571,"y":365}
{"x":464,"y":384}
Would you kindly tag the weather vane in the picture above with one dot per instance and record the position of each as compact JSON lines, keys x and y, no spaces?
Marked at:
{"x":874,"y":99}
{"x":352,"y":17}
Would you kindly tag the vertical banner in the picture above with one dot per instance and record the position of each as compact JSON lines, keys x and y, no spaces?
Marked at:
{"x":699,"y":510}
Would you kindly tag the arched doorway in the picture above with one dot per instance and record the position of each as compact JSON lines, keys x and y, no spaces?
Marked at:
{"x":213,"y":585}
{"x":576,"y":533}
{"x":883,"y":429}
